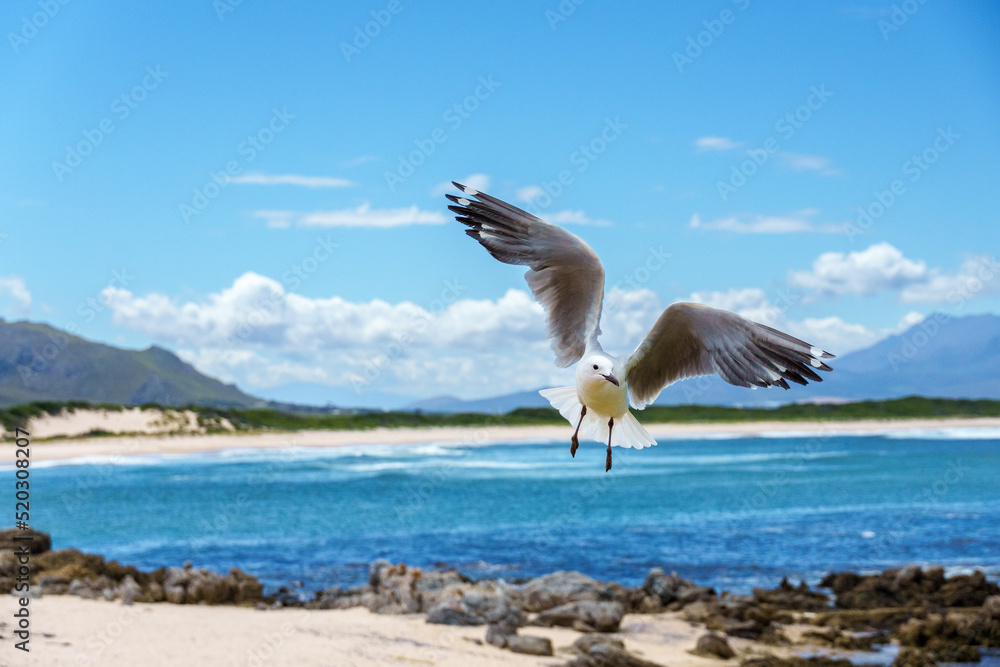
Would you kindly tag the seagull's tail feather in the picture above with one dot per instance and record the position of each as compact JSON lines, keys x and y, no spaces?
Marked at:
{"x":566,"y":401}
{"x":632,"y":434}
{"x":628,"y":432}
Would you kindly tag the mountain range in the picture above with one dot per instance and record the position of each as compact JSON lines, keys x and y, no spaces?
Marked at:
{"x":942,"y":356}
{"x":41,"y":363}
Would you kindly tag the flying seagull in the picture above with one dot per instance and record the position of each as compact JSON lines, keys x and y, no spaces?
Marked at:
{"x":689,"y":339}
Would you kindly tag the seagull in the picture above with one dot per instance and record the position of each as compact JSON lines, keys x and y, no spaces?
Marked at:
{"x":689,"y":339}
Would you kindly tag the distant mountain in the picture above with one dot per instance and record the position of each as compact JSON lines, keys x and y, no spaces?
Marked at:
{"x":313,"y":394}
{"x":41,"y":363}
{"x":942,"y":357}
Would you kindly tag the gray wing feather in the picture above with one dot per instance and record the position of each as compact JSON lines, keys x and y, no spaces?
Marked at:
{"x":565,"y":275}
{"x":690,"y":339}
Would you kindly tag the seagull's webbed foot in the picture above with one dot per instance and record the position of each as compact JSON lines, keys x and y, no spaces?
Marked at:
{"x":611,"y":426}
{"x":575,"y":441}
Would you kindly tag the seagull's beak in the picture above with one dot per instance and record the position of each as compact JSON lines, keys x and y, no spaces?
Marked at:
{"x":612,"y":379}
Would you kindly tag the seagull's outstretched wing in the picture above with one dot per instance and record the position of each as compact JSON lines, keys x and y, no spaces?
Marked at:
{"x":564,"y":273}
{"x":690,"y":339}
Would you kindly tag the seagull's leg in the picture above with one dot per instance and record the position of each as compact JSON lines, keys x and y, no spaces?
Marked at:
{"x":574,"y":441}
{"x":611,"y":427}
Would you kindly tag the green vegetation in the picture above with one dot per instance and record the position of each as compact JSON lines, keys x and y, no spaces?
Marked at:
{"x":256,"y":419}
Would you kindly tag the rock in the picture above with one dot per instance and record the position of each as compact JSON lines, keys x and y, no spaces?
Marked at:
{"x":607,"y":654}
{"x":374,"y":571}
{"x":496,"y":636}
{"x":786,"y":596}
{"x":713,"y":646}
{"x":913,"y":657}
{"x":129,"y":590}
{"x":530,"y":645}
{"x":36,"y":541}
{"x":586,"y":642}
{"x":584,"y":616}
{"x":910,"y":587}
{"x":795,"y":661}
{"x":82,"y":589}
{"x":559,"y":588}
{"x":991,"y":607}
{"x":445,"y":615}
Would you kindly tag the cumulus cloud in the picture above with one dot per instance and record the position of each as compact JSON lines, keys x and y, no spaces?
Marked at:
{"x":257,"y":178}
{"x":12,"y":288}
{"x":883,"y":267}
{"x":865,"y":272}
{"x":716,"y":144}
{"x":362,"y":216}
{"x":830,"y":333}
{"x":977,"y":276}
{"x":529,"y":193}
{"x":795,"y":222}
{"x":258,"y":333}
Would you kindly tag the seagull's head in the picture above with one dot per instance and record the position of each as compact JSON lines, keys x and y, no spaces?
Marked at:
{"x":598,"y":368}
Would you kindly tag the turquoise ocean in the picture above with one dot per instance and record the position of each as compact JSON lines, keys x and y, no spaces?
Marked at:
{"x":729,"y":512}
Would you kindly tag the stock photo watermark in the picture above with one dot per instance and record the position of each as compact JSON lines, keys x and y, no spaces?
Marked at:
{"x":899,"y":15}
{"x":368,"y":31}
{"x":248,"y":151}
{"x":785,"y":127}
{"x":454,"y":116}
{"x":581,"y":159}
{"x":87,"y":310}
{"x":704,"y":39}
{"x":266,"y":310}
{"x":914,"y":169}
{"x":394,"y":349}
{"x":31,"y":24}
{"x":121,"y":108}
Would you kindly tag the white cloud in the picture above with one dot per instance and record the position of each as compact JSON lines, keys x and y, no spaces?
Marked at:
{"x":716,"y":144}
{"x":13,"y":288}
{"x":258,"y":334}
{"x":883,"y":267}
{"x":801,"y":162}
{"x":866,"y":272}
{"x":568,"y":217}
{"x":529,"y":192}
{"x":830,"y":333}
{"x":794,"y":222}
{"x":256,"y":178}
{"x":977,"y":276}
{"x":362,"y":216}
{"x":479,"y":182}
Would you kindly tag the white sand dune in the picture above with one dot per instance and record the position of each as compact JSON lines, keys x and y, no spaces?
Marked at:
{"x":191,"y":443}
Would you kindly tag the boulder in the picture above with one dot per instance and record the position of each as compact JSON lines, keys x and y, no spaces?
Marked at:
{"x":910,"y":587}
{"x":606,"y":654}
{"x":672,"y":591}
{"x":713,"y":646}
{"x":445,"y":615}
{"x":786,"y":596}
{"x":36,"y":541}
{"x":559,"y":588}
{"x":530,"y":645}
{"x":129,"y":590}
{"x":584,"y":616}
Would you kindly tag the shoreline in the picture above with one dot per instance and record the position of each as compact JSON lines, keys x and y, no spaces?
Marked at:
{"x":114,"y":446}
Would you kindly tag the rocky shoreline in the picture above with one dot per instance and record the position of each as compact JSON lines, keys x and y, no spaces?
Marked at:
{"x":933,"y":618}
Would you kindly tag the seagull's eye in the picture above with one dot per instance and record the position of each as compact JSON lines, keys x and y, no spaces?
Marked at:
{"x":595,"y":367}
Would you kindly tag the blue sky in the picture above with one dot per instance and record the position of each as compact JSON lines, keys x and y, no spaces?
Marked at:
{"x":718,"y":151}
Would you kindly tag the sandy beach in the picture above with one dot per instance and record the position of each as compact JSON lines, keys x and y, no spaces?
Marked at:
{"x":67,"y":630}
{"x":194,"y":443}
